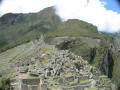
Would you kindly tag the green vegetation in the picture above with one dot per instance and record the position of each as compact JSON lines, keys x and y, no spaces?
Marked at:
{"x":17,"y":29}
{"x":85,"y":82}
{"x":116,"y":71}
{"x":92,"y":89}
{"x":8,"y":58}
{"x":4,"y":83}
{"x":74,"y":27}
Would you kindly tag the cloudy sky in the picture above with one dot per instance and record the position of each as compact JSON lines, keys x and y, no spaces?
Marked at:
{"x":105,"y":14}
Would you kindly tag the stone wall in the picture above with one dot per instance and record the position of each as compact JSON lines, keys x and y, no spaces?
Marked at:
{"x":30,"y":84}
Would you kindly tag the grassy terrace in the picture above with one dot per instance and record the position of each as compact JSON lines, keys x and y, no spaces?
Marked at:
{"x":10,"y":56}
{"x":92,"y":88}
{"x":83,"y":82}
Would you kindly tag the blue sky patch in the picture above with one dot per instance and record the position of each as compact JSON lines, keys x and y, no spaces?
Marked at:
{"x":112,"y":5}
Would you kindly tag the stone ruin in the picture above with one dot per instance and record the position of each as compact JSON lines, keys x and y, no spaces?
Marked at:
{"x":29,"y":84}
{"x":52,"y":69}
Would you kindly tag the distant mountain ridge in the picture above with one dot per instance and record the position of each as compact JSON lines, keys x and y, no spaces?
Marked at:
{"x":16,"y":29}
{"x":19,"y":28}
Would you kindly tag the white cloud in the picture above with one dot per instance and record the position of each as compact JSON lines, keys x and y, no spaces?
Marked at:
{"x":92,"y":11}
{"x":24,"y":6}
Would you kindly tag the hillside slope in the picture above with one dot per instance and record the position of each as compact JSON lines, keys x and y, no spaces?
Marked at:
{"x":16,"y":29}
{"x":56,"y":69}
{"x":79,"y":37}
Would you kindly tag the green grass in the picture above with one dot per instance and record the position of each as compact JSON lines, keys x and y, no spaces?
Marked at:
{"x":9,"y":57}
{"x":75,"y":28}
{"x":85,"y":81}
{"x":92,"y":88}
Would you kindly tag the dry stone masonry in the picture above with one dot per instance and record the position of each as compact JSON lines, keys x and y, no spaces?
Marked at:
{"x":52,"y":69}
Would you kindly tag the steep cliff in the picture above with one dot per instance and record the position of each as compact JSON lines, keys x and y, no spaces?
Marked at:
{"x":108,"y":63}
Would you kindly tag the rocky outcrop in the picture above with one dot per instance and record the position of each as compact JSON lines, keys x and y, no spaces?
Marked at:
{"x":107,"y":63}
{"x":92,"y":54}
{"x":11,"y":18}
